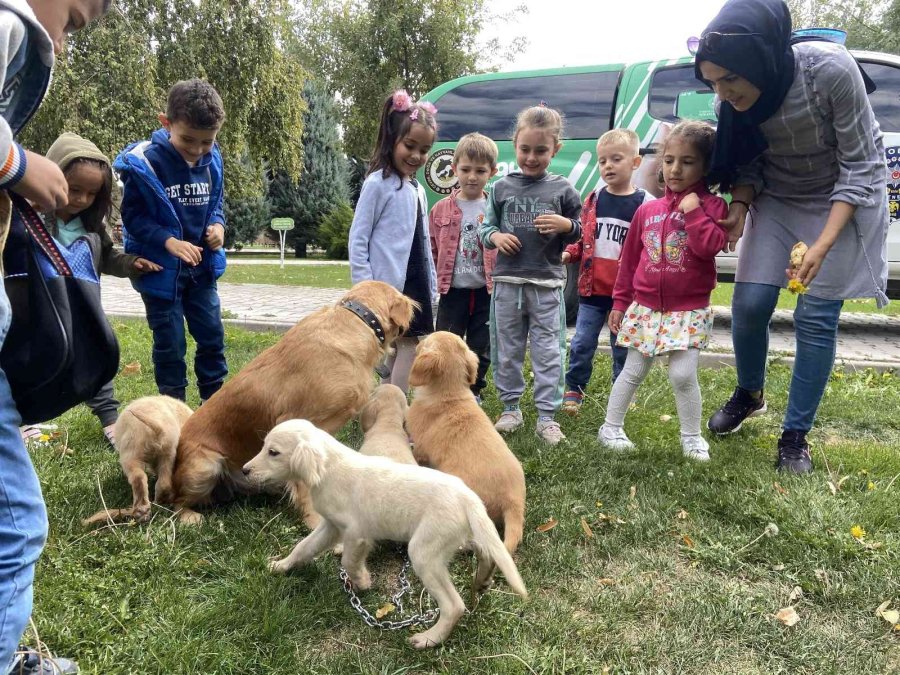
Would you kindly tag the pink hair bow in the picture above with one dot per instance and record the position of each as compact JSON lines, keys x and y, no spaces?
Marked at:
{"x":401,"y":101}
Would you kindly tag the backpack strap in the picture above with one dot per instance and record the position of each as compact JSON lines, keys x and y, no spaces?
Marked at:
{"x":39,"y":234}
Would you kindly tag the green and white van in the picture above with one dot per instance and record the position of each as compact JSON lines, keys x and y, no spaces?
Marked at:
{"x":640,"y":96}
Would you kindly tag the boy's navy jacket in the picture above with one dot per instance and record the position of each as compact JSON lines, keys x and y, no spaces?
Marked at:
{"x":149,"y":219}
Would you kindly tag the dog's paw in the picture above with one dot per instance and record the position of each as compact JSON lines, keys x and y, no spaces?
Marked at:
{"x":422,"y":640}
{"x":362,"y":581}
{"x":338,"y":550}
{"x":282,"y":566}
{"x":141,"y":513}
{"x":189,"y":517}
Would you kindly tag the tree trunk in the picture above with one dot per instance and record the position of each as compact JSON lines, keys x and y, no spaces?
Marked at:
{"x":300,"y":249}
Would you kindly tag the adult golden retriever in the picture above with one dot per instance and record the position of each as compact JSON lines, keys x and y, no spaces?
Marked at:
{"x":147,"y":434}
{"x":383,"y":421}
{"x":321,"y":370}
{"x":364,"y":499}
{"x":451,"y":432}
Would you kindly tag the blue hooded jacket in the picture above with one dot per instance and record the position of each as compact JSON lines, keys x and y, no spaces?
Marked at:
{"x":149,"y":219}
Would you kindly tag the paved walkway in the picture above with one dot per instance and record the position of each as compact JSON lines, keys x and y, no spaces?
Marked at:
{"x":865,"y":340}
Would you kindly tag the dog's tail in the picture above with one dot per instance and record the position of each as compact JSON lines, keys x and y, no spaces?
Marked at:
{"x":513,"y":526}
{"x":150,"y":423}
{"x":108,"y":515}
{"x":486,"y":539}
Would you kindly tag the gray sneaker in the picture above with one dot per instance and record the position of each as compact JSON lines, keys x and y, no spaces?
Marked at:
{"x":695,"y":447}
{"x":614,"y":438}
{"x":549,"y":432}
{"x":509,"y":420}
{"x":30,"y":662}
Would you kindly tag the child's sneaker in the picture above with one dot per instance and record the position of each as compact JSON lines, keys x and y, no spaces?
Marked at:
{"x":549,"y":431}
{"x":614,"y":438}
{"x":509,"y":420}
{"x":695,"y":447}
{"x":572,"y":402}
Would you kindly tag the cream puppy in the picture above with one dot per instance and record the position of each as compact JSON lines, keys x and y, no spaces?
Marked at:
{"x":364,"y":499}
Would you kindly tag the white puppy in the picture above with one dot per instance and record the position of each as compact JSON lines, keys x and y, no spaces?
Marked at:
{"x":363,"y":499}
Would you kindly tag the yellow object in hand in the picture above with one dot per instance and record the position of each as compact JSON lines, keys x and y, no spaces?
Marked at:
{"x":797,"y":252}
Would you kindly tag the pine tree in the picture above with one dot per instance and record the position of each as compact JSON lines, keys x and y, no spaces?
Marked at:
{"x":324,"y":181}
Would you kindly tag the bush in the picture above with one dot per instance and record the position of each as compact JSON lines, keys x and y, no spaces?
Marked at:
{"x":334,"y":231}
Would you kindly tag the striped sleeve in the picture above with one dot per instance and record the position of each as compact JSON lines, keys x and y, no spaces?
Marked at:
{"x":13,"y":168}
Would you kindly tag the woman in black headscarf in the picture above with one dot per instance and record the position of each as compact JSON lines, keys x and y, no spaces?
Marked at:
{"x":797,"y":141}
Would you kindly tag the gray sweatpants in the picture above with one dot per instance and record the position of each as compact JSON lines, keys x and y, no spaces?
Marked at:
{"x":526,"y":312}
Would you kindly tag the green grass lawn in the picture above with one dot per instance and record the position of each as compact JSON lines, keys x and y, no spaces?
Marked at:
{"x":677,"y":575}
{"x":316,"y":276}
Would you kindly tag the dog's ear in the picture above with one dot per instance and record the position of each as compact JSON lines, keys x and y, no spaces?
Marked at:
{"x":308,"y":461}
{"x":401,"y":312}
{"x":368,"y":414}
{"x":471,"y":366}
{"x":426,"y":366}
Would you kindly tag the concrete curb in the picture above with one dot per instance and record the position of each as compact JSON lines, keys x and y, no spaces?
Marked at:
{"x":707,"y":359}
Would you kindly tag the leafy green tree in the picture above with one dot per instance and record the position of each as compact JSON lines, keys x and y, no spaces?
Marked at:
{"x":366,"y":48}
{"x":247,"y":215}
{"x":870,"y":24}
{"x":334,"y":232}
{"x":324,"y":181}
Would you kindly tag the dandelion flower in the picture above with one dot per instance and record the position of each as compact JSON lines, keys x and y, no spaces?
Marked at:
{"x":794,"y":286}
{"x":771,"y":530}
{"x":857,"y":532}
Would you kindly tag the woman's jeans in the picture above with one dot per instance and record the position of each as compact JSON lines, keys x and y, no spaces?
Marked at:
{"x":23,"y":517}
{"x":815,"y":329}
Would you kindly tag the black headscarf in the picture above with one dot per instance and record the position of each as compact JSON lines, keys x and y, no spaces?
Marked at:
{"x":756,"y":46}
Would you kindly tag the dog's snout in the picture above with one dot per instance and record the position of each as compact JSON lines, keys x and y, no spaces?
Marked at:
{"x":246,"y":470}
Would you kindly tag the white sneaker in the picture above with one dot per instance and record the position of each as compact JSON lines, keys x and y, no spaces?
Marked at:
{"x":695,"y":447}
{"x":549,"y":432}
{"x":509,"y":420}
{"x":614,"y":438}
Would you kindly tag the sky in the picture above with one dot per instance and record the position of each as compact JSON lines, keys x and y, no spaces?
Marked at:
{"x":582,"y":32}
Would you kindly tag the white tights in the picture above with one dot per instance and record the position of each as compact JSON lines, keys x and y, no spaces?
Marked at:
{"x":682,"y":375}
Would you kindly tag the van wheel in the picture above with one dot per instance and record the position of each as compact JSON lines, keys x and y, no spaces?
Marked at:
{"x":570,"y":293}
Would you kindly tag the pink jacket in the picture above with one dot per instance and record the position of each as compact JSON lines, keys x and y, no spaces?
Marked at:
{"x":668,"y":260}
{"x":444,"y":223}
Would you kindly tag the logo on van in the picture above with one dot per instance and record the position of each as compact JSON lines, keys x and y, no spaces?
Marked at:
{"x":438,"y":172}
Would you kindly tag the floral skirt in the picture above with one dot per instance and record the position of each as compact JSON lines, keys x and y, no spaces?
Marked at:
{"x":652,"y":332}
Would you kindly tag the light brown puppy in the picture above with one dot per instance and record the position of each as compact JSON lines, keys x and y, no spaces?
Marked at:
{"x":451,"y":432}
{"x":146,"y":434}
{"x":320,"y":370}
{"x":382,"y":420}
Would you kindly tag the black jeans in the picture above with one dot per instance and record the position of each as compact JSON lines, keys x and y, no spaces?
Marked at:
{"x":466,"y":312}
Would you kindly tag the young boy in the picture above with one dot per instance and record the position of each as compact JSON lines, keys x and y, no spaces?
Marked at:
{"x":463,"y":266}
{"x":607,"y":215}
{"x":172,"y":215}
{"x":31,"y":33}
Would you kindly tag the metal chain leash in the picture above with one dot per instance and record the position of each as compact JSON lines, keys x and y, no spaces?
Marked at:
{"x":403,"y":586}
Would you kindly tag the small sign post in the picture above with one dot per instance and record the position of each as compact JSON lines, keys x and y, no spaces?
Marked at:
{"x":281,"y":226}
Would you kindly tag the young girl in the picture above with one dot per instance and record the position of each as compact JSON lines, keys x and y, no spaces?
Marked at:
{"x":89,"y":177}
{"x":666,"y":274}
{"x":530,"y":218}
{"x":389,"y":236}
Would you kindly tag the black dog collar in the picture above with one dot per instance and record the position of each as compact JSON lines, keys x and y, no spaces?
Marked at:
{"x":367,"y":316}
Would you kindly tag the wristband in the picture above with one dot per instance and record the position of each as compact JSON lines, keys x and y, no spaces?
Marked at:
{"x":741,"y":201}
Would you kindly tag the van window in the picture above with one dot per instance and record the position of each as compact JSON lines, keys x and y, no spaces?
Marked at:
{"x":886,"y":98}
{"x":490,"y":106}
{"x":673,"y":83}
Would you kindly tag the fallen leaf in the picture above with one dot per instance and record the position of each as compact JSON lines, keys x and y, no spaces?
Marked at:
{"x":857,"y":532}
{"x":872,"y":545}
{"x":822,"y":576}
{"x":665,"y":418}
{"x":883,"y":606}
{"x":795,"y":594}
{"x":780,"y":489}
{"x":832,"y":487}
{"x":587,"y":528}
{"x":133,"y":368}
{"x":384,"y":610}
{"x":549,"y":525}
{"x":788,"y":616}
{"x":65,"y":450}
{"x":892,"y":616}
{"x":688,"y":541}
{"x":632,"y":491}
{"x":778,"y":568}
{"x":682,"y":515}
{"x":606,"y":581}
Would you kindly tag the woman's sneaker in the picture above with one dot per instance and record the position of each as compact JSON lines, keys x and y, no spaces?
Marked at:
{"x":549,"y":432}
{"x":509,"y":420}
{"x":572,"y":402}
{"x":739,"y":407}
{"x":614,"y":438}
{"x":793,"y":453}
{"x":695,"y":447}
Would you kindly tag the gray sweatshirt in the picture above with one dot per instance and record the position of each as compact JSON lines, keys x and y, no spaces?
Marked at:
{"x":515,"y":201}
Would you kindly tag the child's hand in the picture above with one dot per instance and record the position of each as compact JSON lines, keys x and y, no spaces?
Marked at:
{"x":565,"y":258}
{"x":552,"y":223}
{"x":43,"y":183}
{"x":507,"y":244}
{"x":809,"y":266}
{"x":143,"y":266}
{"x":184,"y":250}
{"x":215,"y":236}
{"x":689,"y":203}
{"x":615,"y":321}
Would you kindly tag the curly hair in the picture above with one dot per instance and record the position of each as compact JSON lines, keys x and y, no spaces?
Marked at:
{"x":196,"y":103}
